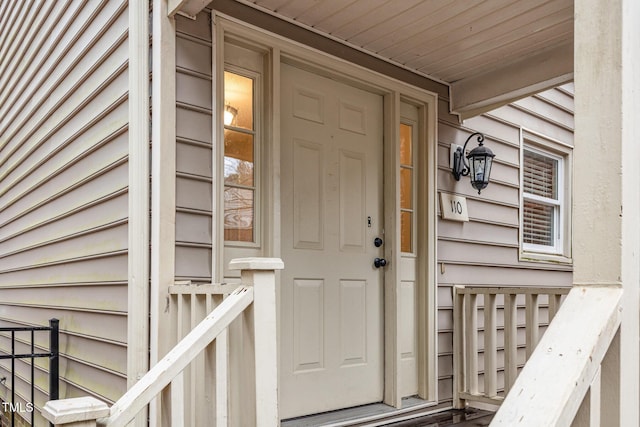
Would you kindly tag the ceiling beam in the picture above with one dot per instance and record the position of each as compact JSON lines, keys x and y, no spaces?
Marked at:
{"x":484,"y":92}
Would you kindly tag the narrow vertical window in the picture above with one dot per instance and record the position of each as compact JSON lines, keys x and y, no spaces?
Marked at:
{"x":239,"y":159}
{"x":406,"y":187}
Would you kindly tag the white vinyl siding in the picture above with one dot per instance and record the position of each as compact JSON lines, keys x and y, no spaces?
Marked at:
{"x":487,"y":250}
{"x":194,"y":168}
{"x":63,"y":190}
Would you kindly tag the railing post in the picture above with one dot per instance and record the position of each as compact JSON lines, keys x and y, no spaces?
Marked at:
{"x":459,"y":385}
{"x":260,"y":273}
{"x":78,"y":412}
{"x":54,"y":359}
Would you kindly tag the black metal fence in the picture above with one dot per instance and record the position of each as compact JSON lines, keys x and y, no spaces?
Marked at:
{"x":54,"y":371}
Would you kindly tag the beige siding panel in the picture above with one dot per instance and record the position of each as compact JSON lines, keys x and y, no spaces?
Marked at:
{"x":193,"y":263}
{"x":535,"y":123}
{"x":539,"y":107}
{"x":62,"y":149}
{"x":90,"y":162}
{"x":99,"y":297}
{"x":103,"y":211}
{"x":193,"y":193}
{"x":194,"y":159}
{"x":91,"y":243}
{"x":478,"y":232}
{"x":63,"y":198}
{"x":468,"y":274}
{"x":105,"y":325}
{"x":496,"y":192}
{"x":192,"y":90}
{"x":73,"y":88}
{"x":558,"y":97}
{"x":193,"y":55}
{"x":486,"y":254}
{"x":194,"y":130}
{"x":101,"y":268}
{"x":111,"y":179}
{"x":49,"y":50}
{"x":193,"y":125}
{"x":193,"y":227}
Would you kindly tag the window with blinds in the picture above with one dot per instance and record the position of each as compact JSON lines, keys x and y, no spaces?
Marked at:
{"x":542,"y":202}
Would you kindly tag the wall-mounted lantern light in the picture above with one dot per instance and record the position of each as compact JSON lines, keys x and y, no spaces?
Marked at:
{"x":479,"y":165}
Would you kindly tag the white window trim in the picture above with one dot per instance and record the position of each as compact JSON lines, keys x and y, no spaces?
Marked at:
{"x":560,"y":253}
{"x":256,"y":76}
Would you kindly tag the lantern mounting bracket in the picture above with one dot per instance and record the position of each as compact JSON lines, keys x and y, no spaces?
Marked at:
{"x":460,"y":165}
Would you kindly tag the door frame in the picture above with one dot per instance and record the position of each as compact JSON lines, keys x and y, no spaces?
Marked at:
{"x":276,"y":50}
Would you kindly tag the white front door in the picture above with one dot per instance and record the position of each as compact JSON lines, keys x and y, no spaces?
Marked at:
{"x":331,"y":200}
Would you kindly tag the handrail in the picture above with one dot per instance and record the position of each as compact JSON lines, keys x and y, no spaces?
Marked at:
{"x":467,"y":302}
{"x":256,"y":293}
{"x":152,"y":383}
{"x":567,"y":362}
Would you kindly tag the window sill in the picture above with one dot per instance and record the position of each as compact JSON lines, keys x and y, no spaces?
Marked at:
{"x":545,"y":257}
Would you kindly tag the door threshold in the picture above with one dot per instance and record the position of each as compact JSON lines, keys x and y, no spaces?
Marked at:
{"x":374,"y":414}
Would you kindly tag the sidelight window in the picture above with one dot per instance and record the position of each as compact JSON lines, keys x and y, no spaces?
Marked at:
{"x":239,"y":158}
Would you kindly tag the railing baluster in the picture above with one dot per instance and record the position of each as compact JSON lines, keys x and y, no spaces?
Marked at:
{"x":532,"y":325}
{"x":510,"y":341}
{"x":177,"y":400}
{"x":471,"y":346}
{"x":459,"y":385}
{"x":222,"y":379}
{"x":190,"y":374}
{"x":13,"y":376}
{"x":490,"y":347}
{"x":33,"y":385}
{"x":554,"y":305}
{"x":256,"y":301}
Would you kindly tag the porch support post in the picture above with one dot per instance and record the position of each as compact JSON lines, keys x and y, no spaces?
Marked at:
{"x":163,"y":182}
{"x":606,"y":205}
{"x":260,"y":272}
{"x":138,"y":259}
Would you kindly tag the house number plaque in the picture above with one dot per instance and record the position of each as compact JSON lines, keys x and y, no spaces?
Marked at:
{"x":454,"y":208}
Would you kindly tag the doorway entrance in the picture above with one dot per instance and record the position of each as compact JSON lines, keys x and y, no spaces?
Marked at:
{"x":331,"y":215}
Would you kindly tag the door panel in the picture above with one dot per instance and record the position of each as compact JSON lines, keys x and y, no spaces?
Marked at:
{"x":331,"y":201}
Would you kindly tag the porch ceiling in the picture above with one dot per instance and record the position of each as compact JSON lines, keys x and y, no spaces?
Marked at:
{"x":490,"y":52}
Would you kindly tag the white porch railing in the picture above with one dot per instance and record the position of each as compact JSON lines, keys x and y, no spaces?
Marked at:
{"x":257,"y":294}
{"x":506,"y":343}
{"x":561,"y":383}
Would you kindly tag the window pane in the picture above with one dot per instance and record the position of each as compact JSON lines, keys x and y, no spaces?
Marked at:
{"x":538,"y":223}
{"x":540,"y":175}
{"x":406,"y":188}
{"x":238,"y":214}
{"x":406,"y":133}
{"x":238,"y":101}
{"x":406,"y":226}
{"x":238,"y":158}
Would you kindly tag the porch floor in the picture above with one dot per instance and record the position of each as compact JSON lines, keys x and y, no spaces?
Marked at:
{"x":379,"y":414}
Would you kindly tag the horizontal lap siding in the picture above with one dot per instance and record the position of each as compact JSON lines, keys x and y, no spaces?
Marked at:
{"x":485,"y":250}
{"x":194,"y":190}
{"x":63,"y":189}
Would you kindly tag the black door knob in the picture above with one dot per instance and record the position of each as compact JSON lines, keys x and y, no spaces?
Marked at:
{"x":379,"y":262}
{"x":377,"y":242}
